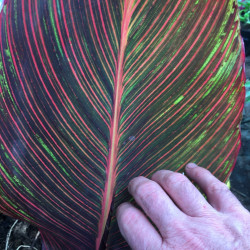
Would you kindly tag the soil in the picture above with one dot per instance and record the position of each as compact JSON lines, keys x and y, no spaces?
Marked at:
{"x":24,"y":234}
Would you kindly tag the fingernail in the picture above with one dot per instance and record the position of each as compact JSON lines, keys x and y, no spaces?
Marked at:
{"x":191,"y":165}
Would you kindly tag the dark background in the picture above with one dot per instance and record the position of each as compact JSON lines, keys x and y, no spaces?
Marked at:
{"x":240,"y":178}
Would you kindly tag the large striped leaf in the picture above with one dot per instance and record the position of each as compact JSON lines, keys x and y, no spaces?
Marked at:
{"x":96,"y":92}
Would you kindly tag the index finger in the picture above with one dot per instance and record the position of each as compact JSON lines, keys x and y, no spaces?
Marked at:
{"x":155,"y":202}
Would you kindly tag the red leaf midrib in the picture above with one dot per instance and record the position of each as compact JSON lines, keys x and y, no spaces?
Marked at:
{"x":114,"y":129}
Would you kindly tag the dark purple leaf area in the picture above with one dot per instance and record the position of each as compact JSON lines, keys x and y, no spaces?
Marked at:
{"x":240,"y":185}
{"x":24,"y":233}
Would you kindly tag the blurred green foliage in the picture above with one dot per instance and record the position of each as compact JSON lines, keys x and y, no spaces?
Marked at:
{"x":244,"y":11}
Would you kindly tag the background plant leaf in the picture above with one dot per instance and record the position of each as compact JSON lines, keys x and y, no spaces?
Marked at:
{"x":94,"y":93}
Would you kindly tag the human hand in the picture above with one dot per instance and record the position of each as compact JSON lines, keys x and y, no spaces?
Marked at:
{"x":183,"y":217}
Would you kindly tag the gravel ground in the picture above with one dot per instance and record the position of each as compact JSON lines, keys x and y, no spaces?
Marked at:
{"x":24,"y":234}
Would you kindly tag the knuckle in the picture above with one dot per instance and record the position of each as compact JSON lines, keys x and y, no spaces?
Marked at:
{"x":129,"y":216}
{"x":216,"y":187}
{"x":175,"y":179}
{"x":146,"y":189}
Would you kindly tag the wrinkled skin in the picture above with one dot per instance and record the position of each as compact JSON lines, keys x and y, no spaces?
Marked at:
{"x":183,"y":217}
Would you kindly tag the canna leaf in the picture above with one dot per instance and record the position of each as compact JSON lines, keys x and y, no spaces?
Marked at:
{"x":94,"y":93}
